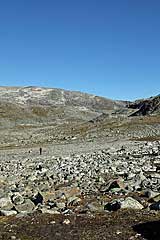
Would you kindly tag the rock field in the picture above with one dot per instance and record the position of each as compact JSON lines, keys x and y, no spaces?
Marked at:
{"x":122,"y":176}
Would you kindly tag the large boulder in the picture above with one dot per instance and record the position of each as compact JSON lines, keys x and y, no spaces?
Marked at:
{"x":6,"y":203}
{"x":131,"y":203}
{"x":28,"y":206}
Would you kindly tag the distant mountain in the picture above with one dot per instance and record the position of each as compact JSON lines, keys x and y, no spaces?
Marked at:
{"x":146,"y":106}
{"x":57,"y":97}
{"x":32,"y":105}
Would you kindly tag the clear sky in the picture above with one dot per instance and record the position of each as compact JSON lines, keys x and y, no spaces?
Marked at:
{"x":106,"y":47}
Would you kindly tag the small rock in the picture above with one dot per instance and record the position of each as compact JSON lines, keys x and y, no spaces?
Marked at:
{"x":66,"y":221}
{"x":49,"y":211}
{"x":60,"y":205}
{"x":95,"y":207}
{"x":155,"y":199}
{"x":118,"y":232}
{"x":17,"y":199}
{"x":13,"y":238}
{"x":112,"y":184}
{"x":21,"y":215}
{"x":49,"y":196}
{"x":73,"y":201}
{"x":7,"y":213}
{"x":52,"y":222}
{"x":71,"y":191}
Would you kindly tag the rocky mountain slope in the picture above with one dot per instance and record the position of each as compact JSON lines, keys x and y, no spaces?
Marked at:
{"x":56,"y":97}
{"x":34,"y":116}
{"x":31,"y":105}
{"x":146,"y":106}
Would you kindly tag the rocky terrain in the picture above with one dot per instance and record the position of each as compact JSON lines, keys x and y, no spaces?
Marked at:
{"x":146,"y":106}
{"x":72,"y":158}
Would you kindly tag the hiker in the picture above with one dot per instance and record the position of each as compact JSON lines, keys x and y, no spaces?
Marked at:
{"x":40,"y":151}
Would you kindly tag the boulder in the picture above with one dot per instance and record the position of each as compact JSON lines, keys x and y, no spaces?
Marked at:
{"x":28,"y":206}
{"x":8,"y":213}
{"x":112,"y":206}
{"x":131,"y":203}
{"x":6,"y":203}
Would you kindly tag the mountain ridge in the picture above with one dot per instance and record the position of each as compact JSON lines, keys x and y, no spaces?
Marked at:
{"x":30,"y":97}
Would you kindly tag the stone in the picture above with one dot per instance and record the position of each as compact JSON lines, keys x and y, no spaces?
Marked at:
{"x":155,"y":199}
{"x":52,"y":222}
{"x":13,"y":238}
{"x":71,"y":191}
{"x":17,"y":199}
{"x":131,"y":203}
{"x":8,"y":213}
{"x":112,"y":206}
{"x":112,"y":184}
{"x":6,"y":203}
{"x":117,"y":190}
{"x":150,"y":194}
{"x":21,"y":215}
{"x":95,"y":207}
{"x":66,"y":221}
{"x":49,"y":196}
{"x":49,"y":211}
{"x":28,"y":206}
{"x":155,"y":206}
{"x":61,"y":205}
{"x":73,"y":201}
{"x":37,"y":198}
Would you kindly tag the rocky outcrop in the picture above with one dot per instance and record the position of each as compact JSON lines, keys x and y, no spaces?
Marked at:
{"x":146,"y":106}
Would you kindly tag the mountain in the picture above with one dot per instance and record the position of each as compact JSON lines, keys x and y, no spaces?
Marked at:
{"x":33,"y":116}
{"x":56,"y":97}
{"x":146,"y":106}
{"x":29,"y":105}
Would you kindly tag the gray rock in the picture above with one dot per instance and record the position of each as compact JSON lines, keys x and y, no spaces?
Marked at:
{"x":13,"y":238}
{"x":49,"y":211}
{"x":8,"y":213}
{"x":5,"y":203}
{"x":21,"y":215}
{"x":28,"y":206}
{"x":17,"y":199}
{"x":95,"y":207}
{"x":131,"y":203}
{"x":61,"y":205}
{"x":73,"y":201}
{"x":155,"y":199}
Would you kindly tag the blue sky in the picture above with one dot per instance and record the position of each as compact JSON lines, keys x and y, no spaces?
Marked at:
{"x":104,"y":47}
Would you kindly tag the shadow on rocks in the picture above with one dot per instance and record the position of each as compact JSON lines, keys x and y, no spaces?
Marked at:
{"x":148,"y":230}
